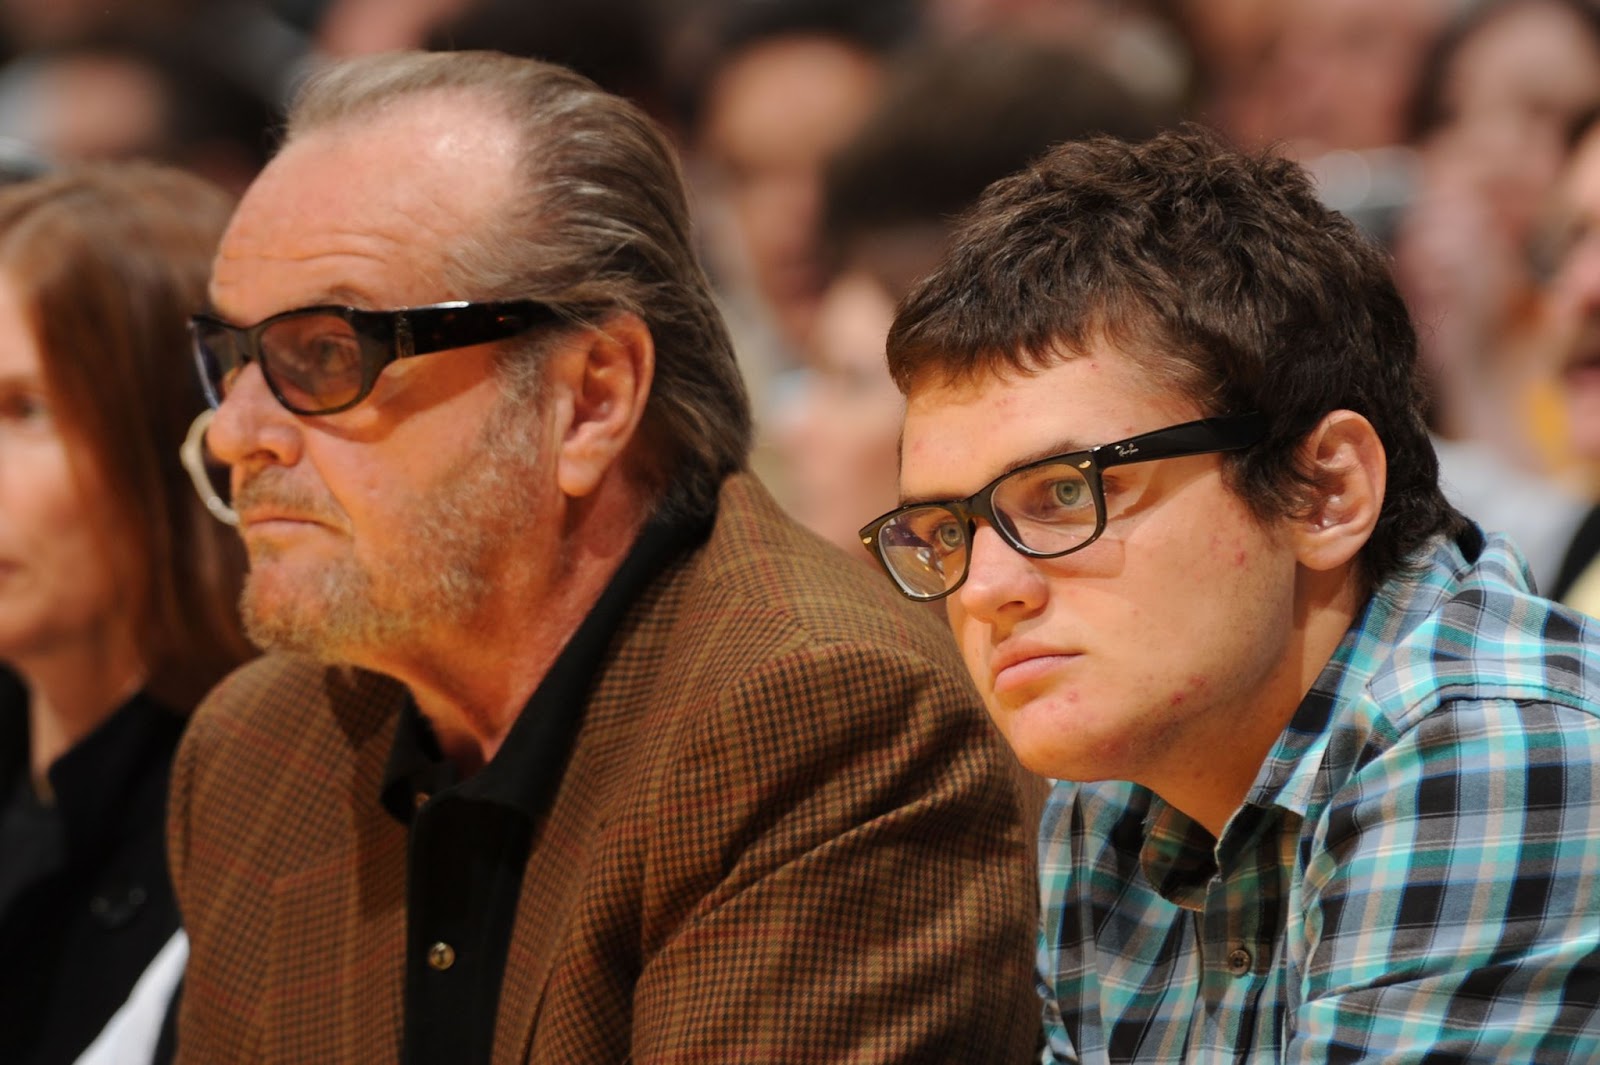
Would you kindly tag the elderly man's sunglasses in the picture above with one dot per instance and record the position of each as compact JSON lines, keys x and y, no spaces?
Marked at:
{"x":322,"y":360}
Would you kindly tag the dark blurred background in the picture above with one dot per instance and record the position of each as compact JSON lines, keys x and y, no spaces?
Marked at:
{"x":829,"y":143}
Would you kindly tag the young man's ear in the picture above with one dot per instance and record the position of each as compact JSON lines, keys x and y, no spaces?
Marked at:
{"x":601,"y":385}
{"x":1351,"y":472}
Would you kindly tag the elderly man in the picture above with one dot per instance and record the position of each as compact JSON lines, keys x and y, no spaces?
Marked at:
{"x":1328,"y":768}
{"x":579,"y":752}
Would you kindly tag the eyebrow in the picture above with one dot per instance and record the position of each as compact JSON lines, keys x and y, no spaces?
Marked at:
{"x":336,"y":296}
{"x":1049,"y":451}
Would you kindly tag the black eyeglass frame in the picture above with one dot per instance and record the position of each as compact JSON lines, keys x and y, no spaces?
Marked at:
{"x":384,"y":337}
{"x":1205,"y":436}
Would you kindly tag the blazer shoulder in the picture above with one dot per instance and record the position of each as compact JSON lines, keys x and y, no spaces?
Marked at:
{"x":295,"y":696}
{"x":770,"y":580}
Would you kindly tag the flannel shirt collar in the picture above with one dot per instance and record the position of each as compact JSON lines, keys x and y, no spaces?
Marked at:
{"x":1320,"y":748}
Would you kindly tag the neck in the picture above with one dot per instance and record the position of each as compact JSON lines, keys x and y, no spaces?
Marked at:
{"x":1213,"y":788}
{"x":72,"y":688}
{"x":473,"y":681}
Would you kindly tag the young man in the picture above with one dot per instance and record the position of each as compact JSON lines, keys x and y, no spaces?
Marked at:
{"x":580,"y":751}
{"x":1329,"y":771}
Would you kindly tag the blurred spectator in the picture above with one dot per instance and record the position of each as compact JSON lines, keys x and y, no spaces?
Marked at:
{"x":29,"y":25}
{"x":615,"y":43}
{"x":1232,"y":44}
{"x":1496,"y":96}
{"x":954,"y":118}
{"x":1136,"y":41}
{"x":1340,"y":75}
{"x":1575,"y":310}
{"x":117,"y":595}
{"x":364,"y":27}
{"x":134,"y":97}
{"x":779,"y":88}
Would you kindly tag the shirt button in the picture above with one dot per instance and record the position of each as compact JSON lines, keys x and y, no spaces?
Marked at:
{"x":441,"y":956}
{"x":1239,"y":961}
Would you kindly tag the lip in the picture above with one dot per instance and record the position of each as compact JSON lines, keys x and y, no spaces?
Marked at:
{"x":1018,"y":667}
{"x":259,"y":519}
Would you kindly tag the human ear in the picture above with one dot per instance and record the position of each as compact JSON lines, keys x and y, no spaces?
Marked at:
{"x":604,"y":381}
{"x":1349,"y":472}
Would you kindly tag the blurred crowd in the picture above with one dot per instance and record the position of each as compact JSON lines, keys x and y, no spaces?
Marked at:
{"x":829,"y":143}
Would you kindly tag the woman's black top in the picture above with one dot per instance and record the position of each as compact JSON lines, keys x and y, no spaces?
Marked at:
{"x":85,"y":901}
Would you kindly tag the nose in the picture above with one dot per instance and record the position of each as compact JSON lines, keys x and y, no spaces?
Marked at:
{"x":251,"y":428}
{"x":1001,"y":581}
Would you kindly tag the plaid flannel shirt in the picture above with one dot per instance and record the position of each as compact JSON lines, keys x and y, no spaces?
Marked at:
{"x":1413,"y":877}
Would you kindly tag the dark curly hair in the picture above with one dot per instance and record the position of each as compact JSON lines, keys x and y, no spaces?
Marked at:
{"x":1223,"y":277}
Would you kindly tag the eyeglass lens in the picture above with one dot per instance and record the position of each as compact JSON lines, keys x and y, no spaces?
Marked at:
{"x":1048,"y":510}
{"x":312,"y":361}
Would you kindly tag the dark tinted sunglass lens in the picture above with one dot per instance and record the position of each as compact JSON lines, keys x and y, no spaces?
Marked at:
{"x":925,"y":549}
{"x":314,"y":362}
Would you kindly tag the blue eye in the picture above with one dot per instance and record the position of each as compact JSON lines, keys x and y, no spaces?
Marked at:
{"x":1069,"y":494}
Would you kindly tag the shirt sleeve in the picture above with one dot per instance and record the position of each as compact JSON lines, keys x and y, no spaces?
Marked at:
{"x":1451,"y":902}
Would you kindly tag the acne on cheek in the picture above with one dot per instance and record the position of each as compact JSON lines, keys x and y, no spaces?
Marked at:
{"x":1194,"y":685}
{"x":1239,"y":556}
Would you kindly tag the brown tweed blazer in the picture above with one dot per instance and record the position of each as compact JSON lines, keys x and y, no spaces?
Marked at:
{"x":785,"y":833}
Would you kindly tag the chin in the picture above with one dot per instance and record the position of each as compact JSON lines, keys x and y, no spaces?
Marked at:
{"x":1042,"y":750}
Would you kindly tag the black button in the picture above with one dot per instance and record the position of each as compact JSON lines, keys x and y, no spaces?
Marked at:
{"x":113,"y":909}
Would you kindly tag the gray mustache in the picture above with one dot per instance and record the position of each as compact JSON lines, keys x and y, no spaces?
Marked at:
{"x":274,"y":490}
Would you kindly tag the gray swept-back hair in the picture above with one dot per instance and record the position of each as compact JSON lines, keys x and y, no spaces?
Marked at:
{"x":601,"y":226}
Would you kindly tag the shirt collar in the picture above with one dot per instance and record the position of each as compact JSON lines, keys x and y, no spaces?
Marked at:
{"x":1319,"y":749}
{"x":525,"y":771}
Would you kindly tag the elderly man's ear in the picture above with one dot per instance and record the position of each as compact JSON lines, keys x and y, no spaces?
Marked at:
{"x":599,"y":383}
{"x":1352,"y":471}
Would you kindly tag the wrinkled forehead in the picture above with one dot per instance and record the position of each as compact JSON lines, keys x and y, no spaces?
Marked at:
{"x":374,"y":206}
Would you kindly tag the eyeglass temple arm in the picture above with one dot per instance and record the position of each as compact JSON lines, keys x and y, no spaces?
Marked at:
{"x":191,"y":455}
{"x":1226,"y":433}
{"x":425,"y":330}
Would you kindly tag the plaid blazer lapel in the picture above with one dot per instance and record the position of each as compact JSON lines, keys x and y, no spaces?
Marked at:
{"x":561,"y":875}
{"x":340,"y":938}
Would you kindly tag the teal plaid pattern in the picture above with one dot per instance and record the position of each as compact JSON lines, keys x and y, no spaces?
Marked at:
{"x":1414,"y":876}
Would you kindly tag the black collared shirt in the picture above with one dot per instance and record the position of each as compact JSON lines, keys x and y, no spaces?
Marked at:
{"x":85,"y":902}
{"x":470,"y":839}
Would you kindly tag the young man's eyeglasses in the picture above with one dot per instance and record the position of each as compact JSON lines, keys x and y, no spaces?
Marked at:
{"x":322,"y":360}
{"x":1045,"y":509}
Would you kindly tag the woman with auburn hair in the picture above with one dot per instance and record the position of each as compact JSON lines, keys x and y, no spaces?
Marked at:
{"x":117,"y":597}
